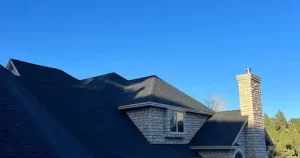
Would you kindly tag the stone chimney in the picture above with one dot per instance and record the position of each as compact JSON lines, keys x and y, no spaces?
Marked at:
{"x":251,"y":106}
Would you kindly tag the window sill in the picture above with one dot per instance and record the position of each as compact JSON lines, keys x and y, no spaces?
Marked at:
{"x":180,"y":133}
{"x":175,"y":135}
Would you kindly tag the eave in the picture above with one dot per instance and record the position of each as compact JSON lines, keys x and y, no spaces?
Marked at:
{"x":154,"y":104}
{"x":213,"y":147}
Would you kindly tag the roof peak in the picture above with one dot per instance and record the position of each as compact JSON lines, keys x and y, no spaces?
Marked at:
{"x":112,"y":76}
{"x":145,"y":77}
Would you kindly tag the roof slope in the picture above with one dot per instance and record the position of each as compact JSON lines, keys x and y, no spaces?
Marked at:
{"x":20,"y":134}
{"x":146,"y":89}
{"x":43,"y":73}
{"x":220,"y":130}
{"x":103,"y":130}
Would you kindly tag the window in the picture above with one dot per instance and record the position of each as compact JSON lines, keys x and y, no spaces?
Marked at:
{"x":176,"y":121}
{"x":239,"y":155}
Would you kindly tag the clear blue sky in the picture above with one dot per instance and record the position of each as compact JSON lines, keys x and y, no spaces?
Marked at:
{"x":197,"y":46}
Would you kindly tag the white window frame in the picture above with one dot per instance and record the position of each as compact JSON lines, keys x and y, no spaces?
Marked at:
{"x":176,"y":124}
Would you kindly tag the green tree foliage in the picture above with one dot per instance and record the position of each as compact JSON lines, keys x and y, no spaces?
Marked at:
{"x":285,"y":135}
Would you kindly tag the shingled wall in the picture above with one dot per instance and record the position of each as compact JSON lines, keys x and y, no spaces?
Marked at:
{"x":153,"y":122}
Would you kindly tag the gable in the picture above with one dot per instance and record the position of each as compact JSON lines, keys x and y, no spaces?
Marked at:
{"x":11,"y":67}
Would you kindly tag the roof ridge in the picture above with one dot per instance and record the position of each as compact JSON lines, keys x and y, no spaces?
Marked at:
{"x":153,"y":86}
{"x":150,"y":76}
{"x":12,"y":59}
{"x":91,"y":90}
{"x":98,"y":76}
{"x":106,"y":74}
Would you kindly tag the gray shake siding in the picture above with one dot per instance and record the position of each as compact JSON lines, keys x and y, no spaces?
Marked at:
{"x":153,"y":122}
{"x":141,"y":118}
{"x":242,"y":141}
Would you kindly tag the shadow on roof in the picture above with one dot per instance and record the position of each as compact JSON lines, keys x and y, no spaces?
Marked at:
{"x":146,"y":89}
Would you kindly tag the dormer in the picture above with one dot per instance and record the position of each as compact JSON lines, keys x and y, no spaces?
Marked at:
{"x":163,"y":114}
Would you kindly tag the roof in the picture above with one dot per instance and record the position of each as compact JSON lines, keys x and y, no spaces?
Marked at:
{"x":87,"y":115}
{"x":220,"y":130}
{"x":146,"y":89}
{"x":43,"y":73}
{"x":20,"y":134}
{"x":101,"y":128}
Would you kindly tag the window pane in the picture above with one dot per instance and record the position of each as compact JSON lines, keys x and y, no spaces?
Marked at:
{"x":173,"y":121}
{"x":180,"y":121}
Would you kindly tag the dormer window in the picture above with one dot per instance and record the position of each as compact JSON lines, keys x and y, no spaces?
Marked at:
{"x":176,"y":121}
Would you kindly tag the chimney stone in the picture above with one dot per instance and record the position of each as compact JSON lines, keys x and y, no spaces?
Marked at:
{"x":251,"y":106}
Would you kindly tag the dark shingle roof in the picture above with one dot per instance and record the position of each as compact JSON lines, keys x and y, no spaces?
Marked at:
{"x":146,"y":89}
{"x":220,"y":130}
{"x":103,"y":130}
{"x":20,"y":134}
{"x":43,"y":73}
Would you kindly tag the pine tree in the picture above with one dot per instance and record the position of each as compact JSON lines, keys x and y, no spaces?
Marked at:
{"x":285,"y":135}
{"x":280,"y":121}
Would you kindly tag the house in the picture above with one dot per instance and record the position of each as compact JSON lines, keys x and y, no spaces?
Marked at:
{"x":45,"y":112}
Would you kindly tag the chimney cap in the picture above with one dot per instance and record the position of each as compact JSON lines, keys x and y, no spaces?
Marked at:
{"x":248,"y":70}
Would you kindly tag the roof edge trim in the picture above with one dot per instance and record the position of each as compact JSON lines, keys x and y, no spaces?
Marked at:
{"x":269,"y":138}
{"x":238,"y":135}
{"x":154,"y":104}
{"x":10,"y":62}
{"x":212,"y":147}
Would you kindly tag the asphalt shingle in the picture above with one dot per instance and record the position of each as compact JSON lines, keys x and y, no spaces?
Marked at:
{"x":102,"y":129}
{"x":20,"y":135}
{"x":43,"y":73}
{"x":146,"y":89}
{"x":220,"y":130}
